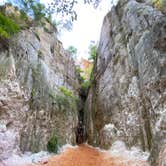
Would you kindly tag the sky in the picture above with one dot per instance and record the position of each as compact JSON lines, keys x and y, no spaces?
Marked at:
{"x":86,"y":28}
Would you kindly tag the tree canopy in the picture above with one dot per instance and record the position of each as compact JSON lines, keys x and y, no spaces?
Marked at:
{"x":32,"y":8}
{"x":92,"y":52}
{"x":72,"y":51}
{"x":7,"y":27}
{"x":65,"y":8}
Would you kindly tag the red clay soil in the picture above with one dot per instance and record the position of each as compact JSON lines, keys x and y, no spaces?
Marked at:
{"x":86,"y":156}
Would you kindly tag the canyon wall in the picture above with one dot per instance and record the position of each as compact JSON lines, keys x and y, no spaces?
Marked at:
{"x":38,"y":92}
{"x":127,"y":100}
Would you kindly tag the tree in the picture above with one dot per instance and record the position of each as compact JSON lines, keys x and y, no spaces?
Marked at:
{"x":92,"y":52}
{"x":7,"y":27}
{"x":72,"y":51}
{"x":32,"y":8}
{"x":65,"y":8}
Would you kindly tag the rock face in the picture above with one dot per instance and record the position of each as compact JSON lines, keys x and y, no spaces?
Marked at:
{"x":127,"y":100}
{"x":38,"y":88}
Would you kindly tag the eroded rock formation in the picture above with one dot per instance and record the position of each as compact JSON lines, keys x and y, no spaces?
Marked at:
{"x":35,"y":74}
{"x":127,"y":100}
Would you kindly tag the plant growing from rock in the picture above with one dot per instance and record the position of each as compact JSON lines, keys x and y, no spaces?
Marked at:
{"x":7,"y":27}
{"x":52,"y":145}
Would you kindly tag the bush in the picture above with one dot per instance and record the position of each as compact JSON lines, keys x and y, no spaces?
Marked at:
{"x":160,"y":4}
{"x":66,"y":92}
{"x":85,"y":85}
{"x":52,"y":145}
{"x":7,"y":27}
{"x":93,"y":52}
{"x":65,"y":99}
{"x":23,"y":15}
{"x":38,"y":11}
{"x":72,"y":51}
{"x":62,"y":101}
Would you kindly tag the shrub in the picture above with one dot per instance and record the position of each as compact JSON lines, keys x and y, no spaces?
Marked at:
{"x":23,"y":15}
{"x":62,"y":101}
{"x":52,"y":145}
{"x":38,"y":11}
{"x":65,"y":100}
{"x":85,"y":85}
{"x":3,"y":33}
{"x":7,"y":27}
{"x":66,"y":92}
{"x":72,"y":51}
{"x":160,"y":4}
{"x":40,"y":54}
{"x":93,"y":52}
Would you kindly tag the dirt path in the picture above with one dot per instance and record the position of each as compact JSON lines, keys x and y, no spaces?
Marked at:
{"x":87,"y":156}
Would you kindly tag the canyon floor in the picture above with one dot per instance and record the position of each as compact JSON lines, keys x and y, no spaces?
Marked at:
{"x":84,"y":155}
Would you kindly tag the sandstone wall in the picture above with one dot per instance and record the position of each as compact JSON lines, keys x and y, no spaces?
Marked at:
{"x":34,"y":72}
{"x":127,"y":100}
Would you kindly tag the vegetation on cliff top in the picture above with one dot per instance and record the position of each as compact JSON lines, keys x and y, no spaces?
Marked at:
{"x":7,"y":27}
{"x":160,"y":4}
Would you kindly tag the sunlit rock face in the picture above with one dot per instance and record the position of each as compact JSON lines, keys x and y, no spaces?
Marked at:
{"x":32,"y":106}
{"x":12,"y":111}
{"x":127,"y":100}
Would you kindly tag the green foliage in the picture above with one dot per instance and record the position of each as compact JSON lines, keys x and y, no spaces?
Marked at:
{"x":64,"y":99}
{"x":160,"y":4}
{"x":52,"y":145}
{"x":66,"y":92}
{"x":64,"y":8}
{"x":7,"y":27}
{"x":33,"y":92}
{"x":92,"y":52}
{"x":78,"y":74}
{"x":63,"y":102}
{"x":8,"y":3}
{"x":38,"y":11}
{"x":40,"y":54}
{"x":67,"y":7}
{"x":72,"y":51}
{"x":23,"y":15}
{"x":19,"y":17}
{"x":86,"y":84}
{"x":30,"y":7}
{"x":3,"y":33}
{"x":78,"y":69}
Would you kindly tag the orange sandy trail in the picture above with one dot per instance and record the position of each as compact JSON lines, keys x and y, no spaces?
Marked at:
{"x":86,"y":156}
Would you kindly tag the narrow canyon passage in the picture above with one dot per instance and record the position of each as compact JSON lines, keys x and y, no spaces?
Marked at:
{"x":84,"y":155}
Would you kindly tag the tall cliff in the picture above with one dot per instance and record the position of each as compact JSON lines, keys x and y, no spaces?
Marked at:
{"x":127,"y":100}
{"x":38,"y":92}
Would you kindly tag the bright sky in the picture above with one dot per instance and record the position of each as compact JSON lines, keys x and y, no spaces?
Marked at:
{"x":86,"y":28}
